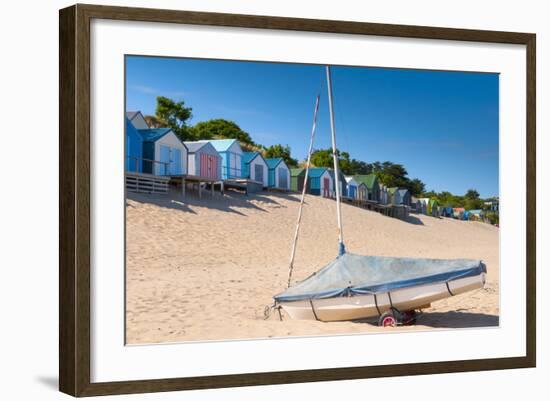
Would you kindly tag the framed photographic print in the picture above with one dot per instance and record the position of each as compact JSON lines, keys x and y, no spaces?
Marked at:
{"x":249,"y":200}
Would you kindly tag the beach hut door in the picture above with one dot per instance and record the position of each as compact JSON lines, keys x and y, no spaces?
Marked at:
{"x":259,"y":173}
{"x":326,"y":186}
{"x":282,"y":178}
{"x":164,"y":165}
{"x":175,"y":163}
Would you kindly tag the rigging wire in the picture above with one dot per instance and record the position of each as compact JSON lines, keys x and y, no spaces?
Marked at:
{"x":302,"y":199}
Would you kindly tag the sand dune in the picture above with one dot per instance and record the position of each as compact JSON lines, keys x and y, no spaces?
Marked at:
{"x":205,"y":269}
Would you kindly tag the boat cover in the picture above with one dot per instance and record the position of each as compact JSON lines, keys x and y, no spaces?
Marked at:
{"x":351,"y":274}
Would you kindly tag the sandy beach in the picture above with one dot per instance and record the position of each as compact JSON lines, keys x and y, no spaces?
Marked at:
{"x":204,"y":269}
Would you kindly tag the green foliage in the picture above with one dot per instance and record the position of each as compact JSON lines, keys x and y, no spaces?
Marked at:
{"x":492,"y":217}
{"x":348,"y":166}
{"x":322,"y":158}
{"x":472,"y":194}
{"x":220,"y":129}
{"x":469,"y":201}
{"x":173,"y":115}
{"x":275,"y":151}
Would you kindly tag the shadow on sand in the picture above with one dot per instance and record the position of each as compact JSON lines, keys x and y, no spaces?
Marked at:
{"x":413,"y":220}
{"x":448,"y":320}
{"x":231,"y":202}
{"x":457,"y":319}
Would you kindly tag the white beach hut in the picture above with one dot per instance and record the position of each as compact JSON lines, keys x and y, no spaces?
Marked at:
{"x":255,"y":168}
{"x":163,"y":152}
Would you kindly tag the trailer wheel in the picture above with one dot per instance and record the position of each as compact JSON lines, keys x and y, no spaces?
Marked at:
{"x":387,"y":319}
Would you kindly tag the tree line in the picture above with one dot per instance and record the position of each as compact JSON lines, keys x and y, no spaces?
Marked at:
{"x":176,"y":115}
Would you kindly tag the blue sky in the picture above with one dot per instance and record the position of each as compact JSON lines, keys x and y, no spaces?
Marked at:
{"x":443,"y":126}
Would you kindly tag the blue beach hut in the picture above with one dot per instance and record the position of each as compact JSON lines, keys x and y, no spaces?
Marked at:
{"x":254,"y":167}
{"x":134,"y":149}
{"x":278,"y":173}
{"x":231,"y":153}
{"x":320,"y":181}
{"x":163,"y":152}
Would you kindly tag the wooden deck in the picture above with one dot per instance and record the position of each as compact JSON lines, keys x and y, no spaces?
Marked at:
{"x":243,"y":184}
{"x":146,"y":183}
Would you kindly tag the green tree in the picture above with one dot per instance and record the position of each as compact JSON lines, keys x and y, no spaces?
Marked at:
{"x":391,"y":174}
{"x":348,"y":166}
{"x":472,"y":194}
{"x":415,"y":187}
{"x":220,"y":129}
{"x":174,"y":115}
{"x":322,"y":158}
{"x":278,"y":150}
{"x":155,"y":122}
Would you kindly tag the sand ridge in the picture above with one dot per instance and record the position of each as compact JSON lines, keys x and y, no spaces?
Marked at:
{"x":204,"y":269}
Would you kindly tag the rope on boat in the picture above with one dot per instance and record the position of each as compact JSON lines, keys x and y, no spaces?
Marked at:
{"x":449,"y":289}
{"x":313,"y":310}
{"x":297,"y":231}
{"x":376,"y":304}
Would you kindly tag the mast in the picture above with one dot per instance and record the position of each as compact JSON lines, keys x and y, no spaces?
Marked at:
{"x":341,"y":248}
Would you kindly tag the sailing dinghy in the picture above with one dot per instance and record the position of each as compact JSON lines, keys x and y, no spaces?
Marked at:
{"x":357,"y":287}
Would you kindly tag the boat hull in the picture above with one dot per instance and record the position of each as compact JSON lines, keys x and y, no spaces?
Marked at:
{"x":368,"y":305}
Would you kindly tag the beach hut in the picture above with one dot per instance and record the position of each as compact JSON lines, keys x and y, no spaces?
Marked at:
{"x":458,"y":213}
{"x":297,"y":177}
{"x":320,"y":182}
{"x":204,"y":160}
{"x":231,"y":153}
{"x":476,"y":214}
{"x":254,"y":167}
{"x":373,"y":185}
{"x":447,"y":211}
{"x":352,"y":185}
{"x":362,"y":191}
{"x":134,"y":149}
{"x":433,"y":208}
{"x":279,"y":173}
{"x":384,"y":196}
{"x":137,"y":119}
{"x":393,"y":195}
{"x":163,"y":152}
{"x":405,"y":196}
{"x":341,"y":180}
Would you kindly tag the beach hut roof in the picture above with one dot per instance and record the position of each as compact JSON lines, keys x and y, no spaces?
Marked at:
{"x":403,"y":191}
{"x":274,"y":162}
{"x":194,"y":146}
{"x":131,"y":114}
{"x":294,"y":172}
{"x":316,"y":172}
{"x":153,"y":134}
{"x":368,"y":179}
{"x":249,"y":156}
{"x":476,"y":211}
{"x":392,"y":190}
{"x":221,"y":145}
{"x":349,"y":179}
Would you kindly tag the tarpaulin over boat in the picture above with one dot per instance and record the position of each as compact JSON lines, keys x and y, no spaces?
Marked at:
{"x":351,"y":274}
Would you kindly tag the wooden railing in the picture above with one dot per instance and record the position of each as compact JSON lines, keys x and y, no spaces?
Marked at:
{"x":138,"y":161}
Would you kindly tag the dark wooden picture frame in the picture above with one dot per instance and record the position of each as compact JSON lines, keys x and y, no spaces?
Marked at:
{"x":74,"y":203}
